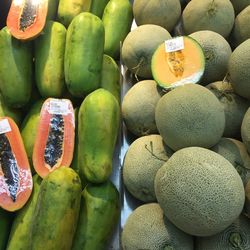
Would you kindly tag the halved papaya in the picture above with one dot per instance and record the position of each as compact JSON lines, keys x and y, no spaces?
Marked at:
{"x":26,"y":18}
{"x":54,"y":142}
{"x":178,"y":61}
{"x":15,"y":174}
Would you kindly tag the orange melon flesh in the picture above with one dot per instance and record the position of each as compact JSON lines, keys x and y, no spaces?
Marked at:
{"x":172,"y":69}
{"x":41,"y":166}
{"x":24,"y":176}
{"x":26,"y":18}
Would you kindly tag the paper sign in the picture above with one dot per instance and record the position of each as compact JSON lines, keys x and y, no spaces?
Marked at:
{"x":174,"y":44}
{"x":58,"y":107}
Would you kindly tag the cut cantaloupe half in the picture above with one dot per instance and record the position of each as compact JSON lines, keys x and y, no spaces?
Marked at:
{"x":173,"y":67}
{"x":26,"y":18}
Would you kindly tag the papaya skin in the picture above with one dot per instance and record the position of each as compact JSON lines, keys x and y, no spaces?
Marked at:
{"x":98,"y":126}
{"x":6,"y":219}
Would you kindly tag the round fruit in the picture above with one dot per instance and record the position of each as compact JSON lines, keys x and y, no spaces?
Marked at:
{"x":164,"y":13}
{"x":190,"y":115}
{"x":199,"y":191}
{"x":142,"y":160}
{"x":215,"y":15}
{"x":217,"y":52}
{"x":147,"y":228}
{"x":138,"y":107}
{"x":139,"y":46}
{"x":245,"y":130}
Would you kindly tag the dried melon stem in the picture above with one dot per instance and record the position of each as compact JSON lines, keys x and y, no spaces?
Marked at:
{"x":236,"y":240}
{"x":175,"y":62}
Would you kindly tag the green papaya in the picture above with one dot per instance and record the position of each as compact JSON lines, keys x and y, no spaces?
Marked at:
{"x":52,"y":9}
{"x":110,"y":78}
{"x":29,"y":127}
{"x":5,"y":227}
{"x":15,"y":70}
{"x":21,"y":228}
{"x":98,"y":126}
{"x":56,"y":213}
{"x":98,"y":215}
{"x":97,"y":7}
{"x":117,"y":20}
{"x":49,"y":60}
{"x":83,"y":54}
{"x":68,"y":9}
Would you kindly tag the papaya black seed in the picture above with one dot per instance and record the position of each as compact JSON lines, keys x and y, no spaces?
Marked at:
{"x":9,"y":166}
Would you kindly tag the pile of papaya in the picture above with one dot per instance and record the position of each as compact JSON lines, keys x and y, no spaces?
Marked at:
{"x":60,"y":122}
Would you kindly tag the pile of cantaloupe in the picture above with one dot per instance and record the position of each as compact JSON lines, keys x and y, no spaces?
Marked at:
{"x":189,"y":114}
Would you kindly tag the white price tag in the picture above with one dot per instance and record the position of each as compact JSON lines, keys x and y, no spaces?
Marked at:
{"x":58,"y":107}
{"x":4,"y":126}
{"x":174,"y":44}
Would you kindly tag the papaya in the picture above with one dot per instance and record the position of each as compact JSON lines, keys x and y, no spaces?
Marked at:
{"x":54,"y":141}
{"x":97,"y":7}
{"x":26,"y":19}
{"x":172,"y":68}
{"x":15,"y":174}
{"x":110,"y":77}
{"x":68,"y":9}
{"x":83,"y":54}
{"x":29,"y":129}
{"x":56,"y":213}
{"x":5,"y":227}
{"x":49,"y":60}
{"x":52,"y":9}
{"x":98,"y":126}
{"x":21,"y":228}
{"x":117,"y":20}
{"x":98,"y":215}
{"x":16,"y":58}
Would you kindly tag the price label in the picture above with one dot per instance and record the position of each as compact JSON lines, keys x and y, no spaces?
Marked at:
{"x":4,"y":126}
{"x":58,"y":107}
{"x":174,"y":44}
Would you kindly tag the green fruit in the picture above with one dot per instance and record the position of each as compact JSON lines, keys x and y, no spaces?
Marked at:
{"x":148,"y":228}
{"x":83,"y":54}
{"x":190,"y":115}
{"x":139,"y":46}
{"x":142,"y":160}
{"x":239,"y":5}
{"x":98,"y":126}
{"x":55,"y":217}
{"x":52,"y":9}
{"x":236,"y":236}
{"x":110,"y":77}
{"x":214,"y":15}
{"x":21,"y":228}
{"x":238,"y":69}
{"x":49,"y":60}
{"x":199,"y":191}
{"x":15,"y":70}
{"x":117,"y":19}
{"x":98,"y":215}
{"x":97,"y":7}
{"x":217,"y":52}
{"x":235,"y":152}
{"x":5,"y":227}
{"x":138,"y":107}
{"x":245,"y":130}
{"x":163,"y":13}
{"x":234,"y":107}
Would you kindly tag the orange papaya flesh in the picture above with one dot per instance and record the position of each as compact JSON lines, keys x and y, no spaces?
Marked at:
{"x":15,"y":175}
{"x":26,"y":18}
{"x":54,"y":142}
{"x":171,"y":69}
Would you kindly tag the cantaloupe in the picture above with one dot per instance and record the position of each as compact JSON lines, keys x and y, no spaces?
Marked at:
{"x":138,"y":107}
{"x":199,"y":191}
{"x":245,"y":130}
{"x":239,"y":5}
{"x":139,"y":46}
{"x":190,"y":115}
{"x":175,"y":68}
{"x":160,"y":12}
{"x":236,"y":236}
{"x":235,"y":152}
{"x":147,"y":228}
{"x":247,"y":202}
{"x":234,"y":107}
{"x":217,"y":52}
{"x":142,"y":160}
{"x":241,"y":31}
{"x":215,"y":15}
{"x":238,"y":69}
